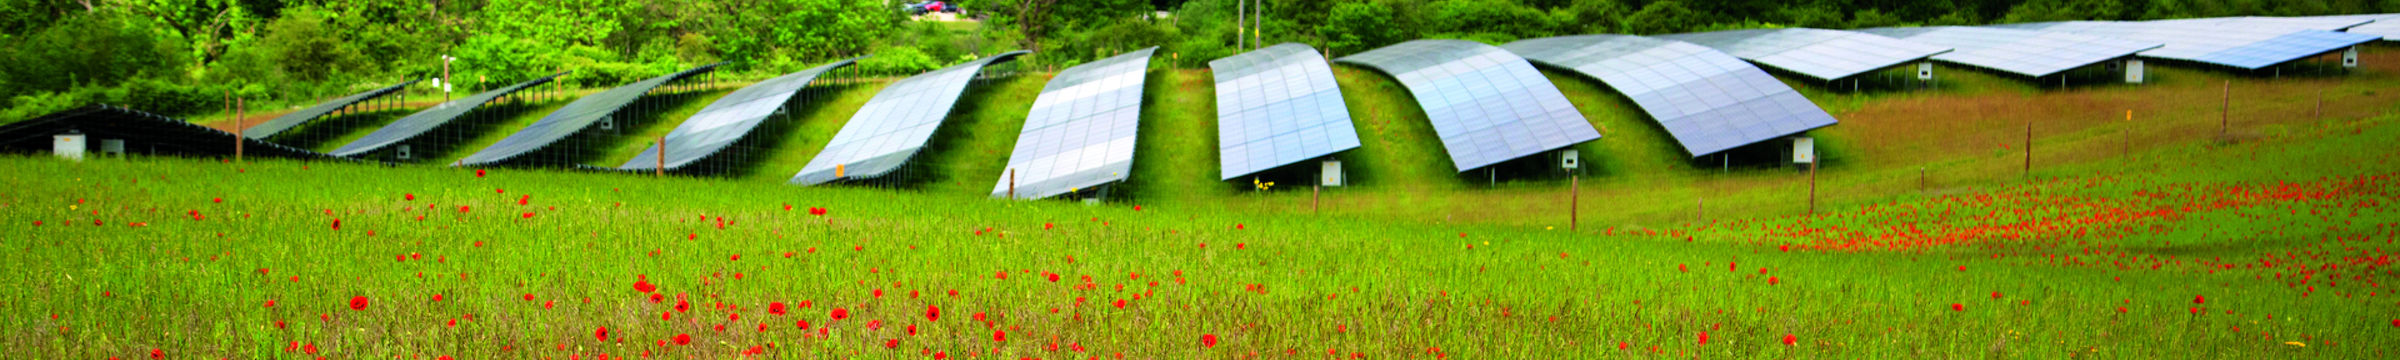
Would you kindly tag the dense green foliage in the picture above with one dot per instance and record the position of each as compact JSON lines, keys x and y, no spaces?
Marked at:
{"x":172,"y":56}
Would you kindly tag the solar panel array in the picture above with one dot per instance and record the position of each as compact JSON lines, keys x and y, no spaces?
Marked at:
{"x":572,"y":119}
{"x":1486,"y":104}
{"x":294,"y":119}
{"x":426,"y":120}
{"x":1708,"y":101}
{"x":1822,"y":54}
{"x":1080,"y":132}
{"x":728,"y":119}
{"x":141,"y":133}
{"x":2246,"y":43}
{"x":2388,"y":28}
{"x":1277,"y":106}
{"x":2021,"y":52}
{"x":894,"y":125}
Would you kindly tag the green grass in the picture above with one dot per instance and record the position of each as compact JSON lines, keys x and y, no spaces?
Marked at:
{"x":2283,"y":223}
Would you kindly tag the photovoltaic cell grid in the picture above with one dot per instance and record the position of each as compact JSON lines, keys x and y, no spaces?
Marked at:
{"x":1080,"y":133}
{"x":2246,"y":43}
{"x":417,"y":124}
{"x":728,"y":119}
{"x":294,"y":119}
{"x":1486,"y":104}
{"x":571,"y":119}
{"x":894,"y":125}
{"x":2389,"y":29}
{"x":2021,"y":52}
{"x":1822,"y":54}
{"x":1277,"y":106}
{"x":1709,"y":101}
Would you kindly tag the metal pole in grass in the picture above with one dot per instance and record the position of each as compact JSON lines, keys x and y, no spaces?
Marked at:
{"x":662,"y":156}
{"x":2225,"y":114}
{"x":2028,"y":148}
{"x":1812,"y":188}
{"x":1012,"y":184}
{"x":1574,"y":201}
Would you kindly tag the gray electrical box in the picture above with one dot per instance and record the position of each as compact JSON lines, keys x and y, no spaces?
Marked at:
{"x":68,"y":146}
{"x":2133,"y":71}
{"x":1925,"y":71}
{"x":1570,"y":160}
{"x":608,"y":122}
{"x":112,"y":147}
{"x":1330,"y":173}
{"x":2350,"y":58}
{"x":403,"y":152}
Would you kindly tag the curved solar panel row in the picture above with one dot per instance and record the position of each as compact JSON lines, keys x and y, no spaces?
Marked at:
{"x":142,"y":132}
{"x":1080,"y":133}
{"x":2389,"y":29}
{"x":894,"y":125}
{"x":2021,"y":52}
{"x":1277,"y":106}
{"x":2233,"y":42}
{"x":1817,"y":53}
{"x":571,"y":119}
{"x":287,"y":121}
{"x":728,"y":119}
{"x":1709,"y":101}
{"x":426,"y":120}
{"x":1487,"y":105}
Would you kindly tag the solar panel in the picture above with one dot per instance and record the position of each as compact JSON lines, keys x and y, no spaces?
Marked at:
{"x":727,"y":120}
{"x":572,"y":119}
{"x":2021,"y":52}
{"x":1277,"y":106}
{"x":1080,"y":133}
{"x":2389,"y":29}
{"x":140,"y":132}
{"x":1486,"y":104}
{"x":294,"y":119}
{"x":423,"y":121}
{"x":1817,"y":53}
{"x":1708,"y":101}
{"x":894,"y":125}
{"x":2246,"y":43}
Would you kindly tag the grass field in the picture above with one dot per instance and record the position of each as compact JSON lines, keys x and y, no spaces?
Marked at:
{"x":2125,"y":240}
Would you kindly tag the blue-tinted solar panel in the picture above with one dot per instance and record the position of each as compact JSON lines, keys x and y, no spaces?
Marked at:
{"x":2021,"y":52}
{"x":411,"y":126}
{"x":294,"y":119}
{"x":1277,"y":106}
{"x":2246,"y":43}
{"x":1486,"y":104}
{"x":894,"y":125}
{"x":728,"y":119}
{"x":1707,"y":100}
{"x":571,"y":119}
{"x":1816,"y":53}
{"x":1080,"y":132}
{"x":2389,"y":29}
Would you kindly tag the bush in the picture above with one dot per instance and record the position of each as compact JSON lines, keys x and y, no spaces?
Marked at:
{"x":898,"y":60}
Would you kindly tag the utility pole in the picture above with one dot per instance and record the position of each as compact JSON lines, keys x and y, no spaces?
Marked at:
{"x":1240,"y":8}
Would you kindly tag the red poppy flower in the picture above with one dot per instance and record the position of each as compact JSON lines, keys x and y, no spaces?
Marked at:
{"x":839,"y":314}
{"x":358,"y":303}
{"x":310,"y":349}
{"x":803,"y":324}
{"x":1772,"y":280}
{"x":601,"y":334}
{"x":1958,"y":307}
{"x":525,"y":200}
{"x":1788,"y":339}
{"x":683,"y":306}
{"x":156,"y":354}
{"x":1120,"y":303}
{"x":337,"y":224}
{"x":1053,"y":277}
{"x":478,"y":172}
{"x":644,"y":286}
{"x":528,"y":296}
{"x":932,"y":313}
{"x":683,"y":339}
{"x":2196,"y":299}
{"x":999,"y":336}
{"x":462,"y":208}
{"x":1208,"y":340}
{"x":409,"y":197}
{"x":529,"y":215}
{"x":775,"y":308}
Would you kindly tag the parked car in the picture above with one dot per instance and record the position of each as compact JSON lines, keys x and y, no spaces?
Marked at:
{"x":927,"y":7}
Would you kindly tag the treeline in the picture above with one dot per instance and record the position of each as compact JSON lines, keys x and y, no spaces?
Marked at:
{"x":179,"y":57}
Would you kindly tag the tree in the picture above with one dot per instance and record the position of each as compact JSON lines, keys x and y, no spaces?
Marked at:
{"x":1358,"y":26}
{"x":1661,"y":18}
